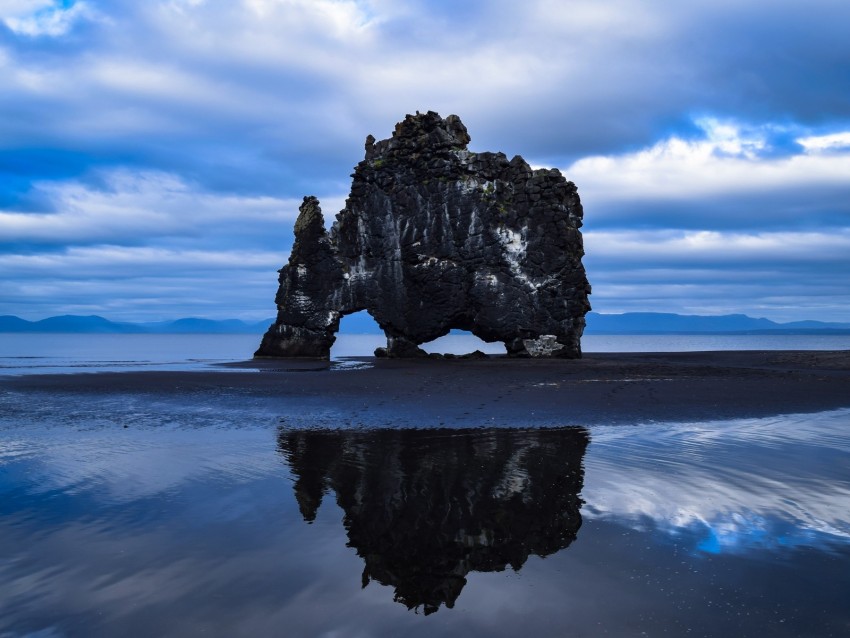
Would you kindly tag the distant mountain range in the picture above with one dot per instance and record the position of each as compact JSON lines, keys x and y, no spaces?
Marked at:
{"x":93,"y":324}
{"x":361,"y":323}
{"x":668,"y":323}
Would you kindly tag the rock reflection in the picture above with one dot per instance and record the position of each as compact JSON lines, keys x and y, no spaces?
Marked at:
{"x":423,"y":508}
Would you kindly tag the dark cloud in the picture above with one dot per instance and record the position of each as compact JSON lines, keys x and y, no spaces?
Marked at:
{"x":788,"y":208}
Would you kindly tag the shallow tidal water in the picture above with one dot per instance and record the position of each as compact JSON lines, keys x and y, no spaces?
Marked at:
{"x":24,"y":353}
{"x":122,"y":516}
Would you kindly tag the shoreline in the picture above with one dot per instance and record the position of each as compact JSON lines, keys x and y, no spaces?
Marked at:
{"x":600,"y":388}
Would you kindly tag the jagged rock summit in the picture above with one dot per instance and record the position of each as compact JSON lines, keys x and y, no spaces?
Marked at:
{"x":435,"y":237}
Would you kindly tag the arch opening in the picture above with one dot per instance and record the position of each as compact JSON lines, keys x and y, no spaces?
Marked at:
{"x":462,"y":342}
{"x":358,"y":336}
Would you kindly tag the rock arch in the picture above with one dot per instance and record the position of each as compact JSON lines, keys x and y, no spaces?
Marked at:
{"x":435,"y":237}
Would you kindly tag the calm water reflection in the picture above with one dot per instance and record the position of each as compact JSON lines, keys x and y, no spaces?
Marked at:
{"x":423,"y":508}
{"x":193,"y":521}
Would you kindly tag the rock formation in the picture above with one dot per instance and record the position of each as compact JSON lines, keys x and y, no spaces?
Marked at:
{"x":423,"y":508}
{"x":435,"y":237}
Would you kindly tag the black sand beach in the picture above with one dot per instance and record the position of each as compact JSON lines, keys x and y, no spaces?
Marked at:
{"x":598,"y":389}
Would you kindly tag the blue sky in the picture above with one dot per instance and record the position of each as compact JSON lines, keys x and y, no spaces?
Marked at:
{"x":153,"y":154}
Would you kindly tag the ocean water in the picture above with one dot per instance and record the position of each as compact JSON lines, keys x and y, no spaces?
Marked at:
{"x":128,"y":514}
{"x":45,"y":353}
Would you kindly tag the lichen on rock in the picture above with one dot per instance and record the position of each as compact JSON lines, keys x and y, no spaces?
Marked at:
{"x":435,"y":237}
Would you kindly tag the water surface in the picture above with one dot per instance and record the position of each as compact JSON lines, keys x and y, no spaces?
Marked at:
{"x":194,"y":521}
{"x":64,"y":353}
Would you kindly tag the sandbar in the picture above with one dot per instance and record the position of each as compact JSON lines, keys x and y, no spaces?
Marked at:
{"x":601,"y":388}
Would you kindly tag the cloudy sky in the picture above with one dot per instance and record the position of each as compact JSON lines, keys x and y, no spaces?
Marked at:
{"x":153,"y":154}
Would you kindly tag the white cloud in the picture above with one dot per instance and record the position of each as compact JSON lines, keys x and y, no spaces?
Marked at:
{"x":42,"y":17}
{"x":133,"y":206}
{"x":144,"y":245}
{"x":833,"y":141}
{"x":725,"y":160}
{"x":141,"y":285}
{"x":701,"y":248}
{"x":309,"y":35}
{"x":110,"y":262}
{"x":785,"y":276}
{"x":22,"y":8}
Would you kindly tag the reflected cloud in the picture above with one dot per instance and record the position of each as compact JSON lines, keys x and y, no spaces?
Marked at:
{"x":727,"y":486}
{"x":423,"y":508}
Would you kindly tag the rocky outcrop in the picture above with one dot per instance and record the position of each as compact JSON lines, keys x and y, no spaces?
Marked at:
{"x":435,"y":237}
{"x":423,"y":508}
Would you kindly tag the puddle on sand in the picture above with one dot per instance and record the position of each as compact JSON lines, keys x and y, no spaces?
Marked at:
{"x":206,"y":520}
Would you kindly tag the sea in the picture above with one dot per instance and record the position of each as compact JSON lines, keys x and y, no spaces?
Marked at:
{"x":28,"y":353}
{"x":177,"y":515}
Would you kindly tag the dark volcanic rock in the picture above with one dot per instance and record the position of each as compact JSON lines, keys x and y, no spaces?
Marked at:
{"x":435,"y":237}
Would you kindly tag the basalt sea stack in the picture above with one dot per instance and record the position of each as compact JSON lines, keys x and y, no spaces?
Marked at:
{"x":435,"y":237}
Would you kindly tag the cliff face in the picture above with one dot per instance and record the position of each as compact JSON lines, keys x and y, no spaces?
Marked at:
{"x":423,"y":508}
{"x":435,"y":237}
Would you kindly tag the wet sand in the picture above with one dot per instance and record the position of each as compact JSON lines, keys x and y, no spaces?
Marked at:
{"x":600,"y":388}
